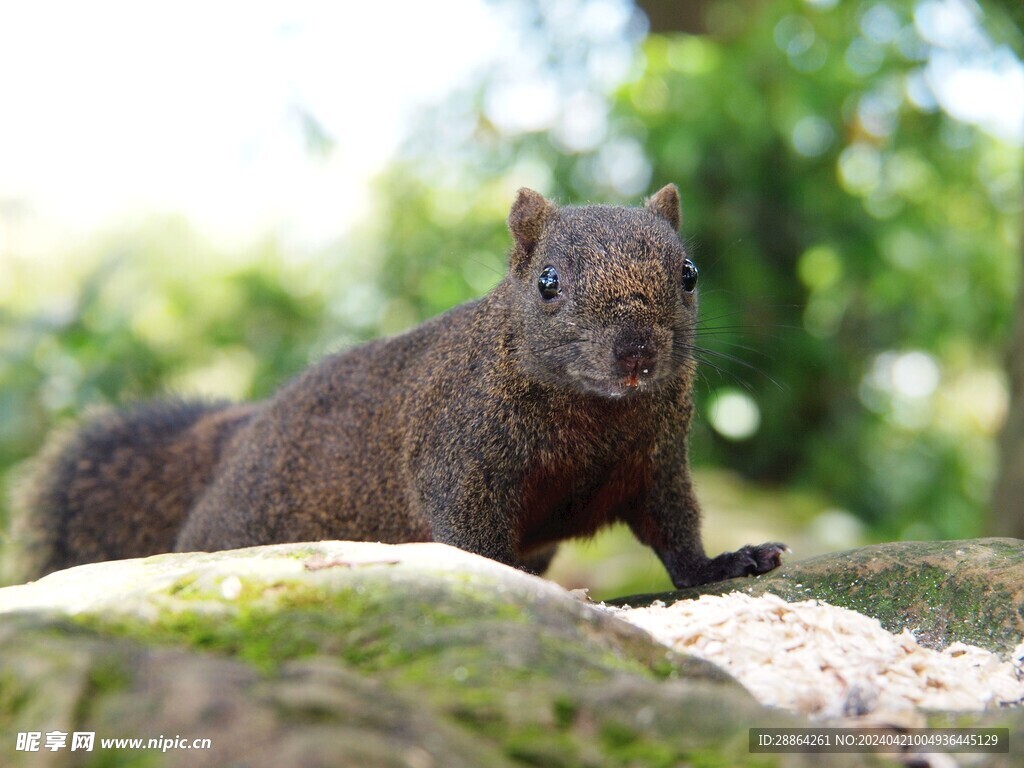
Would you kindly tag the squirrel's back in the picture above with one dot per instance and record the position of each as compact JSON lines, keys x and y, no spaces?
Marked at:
{"x":328,"y":454}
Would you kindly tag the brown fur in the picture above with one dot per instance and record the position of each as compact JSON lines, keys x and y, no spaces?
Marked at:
{"x":123,"y":484}
{"x":503,"y":426}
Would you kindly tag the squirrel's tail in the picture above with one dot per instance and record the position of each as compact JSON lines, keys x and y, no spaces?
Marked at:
{"x":120,"y":485}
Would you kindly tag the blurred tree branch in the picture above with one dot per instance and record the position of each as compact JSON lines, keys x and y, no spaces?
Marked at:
{"x":1008,"y":497}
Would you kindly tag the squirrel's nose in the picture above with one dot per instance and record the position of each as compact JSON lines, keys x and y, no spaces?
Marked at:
{"x":635,"y":355}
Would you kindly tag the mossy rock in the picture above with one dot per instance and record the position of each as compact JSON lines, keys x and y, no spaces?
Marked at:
{"x":354,"y":654}
{"x":57,"y":676}
{"x":943,"y":591}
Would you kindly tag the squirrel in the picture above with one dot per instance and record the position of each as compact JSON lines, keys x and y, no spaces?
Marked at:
{"x":555,"y":405}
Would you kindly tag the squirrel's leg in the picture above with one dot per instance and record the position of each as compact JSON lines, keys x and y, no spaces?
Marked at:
{"x":537,"y":561}
{"x":471,"y":517}
{"x":475,"y":529}
{"x":669,"y":522}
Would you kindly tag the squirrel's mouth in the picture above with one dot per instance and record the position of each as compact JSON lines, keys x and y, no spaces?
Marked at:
{"x":632,"y":384}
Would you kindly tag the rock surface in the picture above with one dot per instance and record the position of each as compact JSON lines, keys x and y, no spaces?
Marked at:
{"x":339,"y":654}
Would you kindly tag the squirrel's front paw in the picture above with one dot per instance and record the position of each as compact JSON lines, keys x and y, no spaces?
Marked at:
{"x":748,"y":561}
{"x":764,"y":557}
{"x":745,"y":561}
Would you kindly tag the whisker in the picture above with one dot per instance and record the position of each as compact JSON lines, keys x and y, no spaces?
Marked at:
{"x":744,"y":347}
{"x":701,"y":354}
{"x":724,"y":373}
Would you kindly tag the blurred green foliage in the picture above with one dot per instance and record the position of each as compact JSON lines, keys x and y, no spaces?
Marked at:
{"x":858,"y":250}
{"x":142,"y":313}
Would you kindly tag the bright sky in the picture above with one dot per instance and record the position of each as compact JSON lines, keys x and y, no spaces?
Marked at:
{"x":113,"y":107}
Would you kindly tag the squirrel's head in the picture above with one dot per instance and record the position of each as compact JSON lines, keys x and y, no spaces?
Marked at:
{"x":606,"y":295}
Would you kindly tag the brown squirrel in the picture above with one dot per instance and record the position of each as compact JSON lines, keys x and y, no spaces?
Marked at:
{"x":555,"y":405}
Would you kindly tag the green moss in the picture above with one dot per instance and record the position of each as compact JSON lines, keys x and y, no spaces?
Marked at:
{"x":107,"y":676}
{"x":628,"y":747}
{"x":534,"y":745}
{"x":14,"y":697}
{"x":564,"y":710}
{"x":190,"y":588}
{"x":300,"y":553}
{"x":923,"y":598}
{"x":370,"y":629}
{"x":113,"y":758}
{"x":182,"y":587}
{"x":616,"y":735}
{"x":262,"y":638}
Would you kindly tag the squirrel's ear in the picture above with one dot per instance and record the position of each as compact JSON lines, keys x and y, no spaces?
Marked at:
{"x":665,"y":203}
{"x":530,"y":212}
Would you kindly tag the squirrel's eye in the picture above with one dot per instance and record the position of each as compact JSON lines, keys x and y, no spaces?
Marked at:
{"x":689,"y":276}
{"x":547,"y":283}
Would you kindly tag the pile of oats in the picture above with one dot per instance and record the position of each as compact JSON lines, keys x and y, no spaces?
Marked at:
{"x":829,"y":662}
